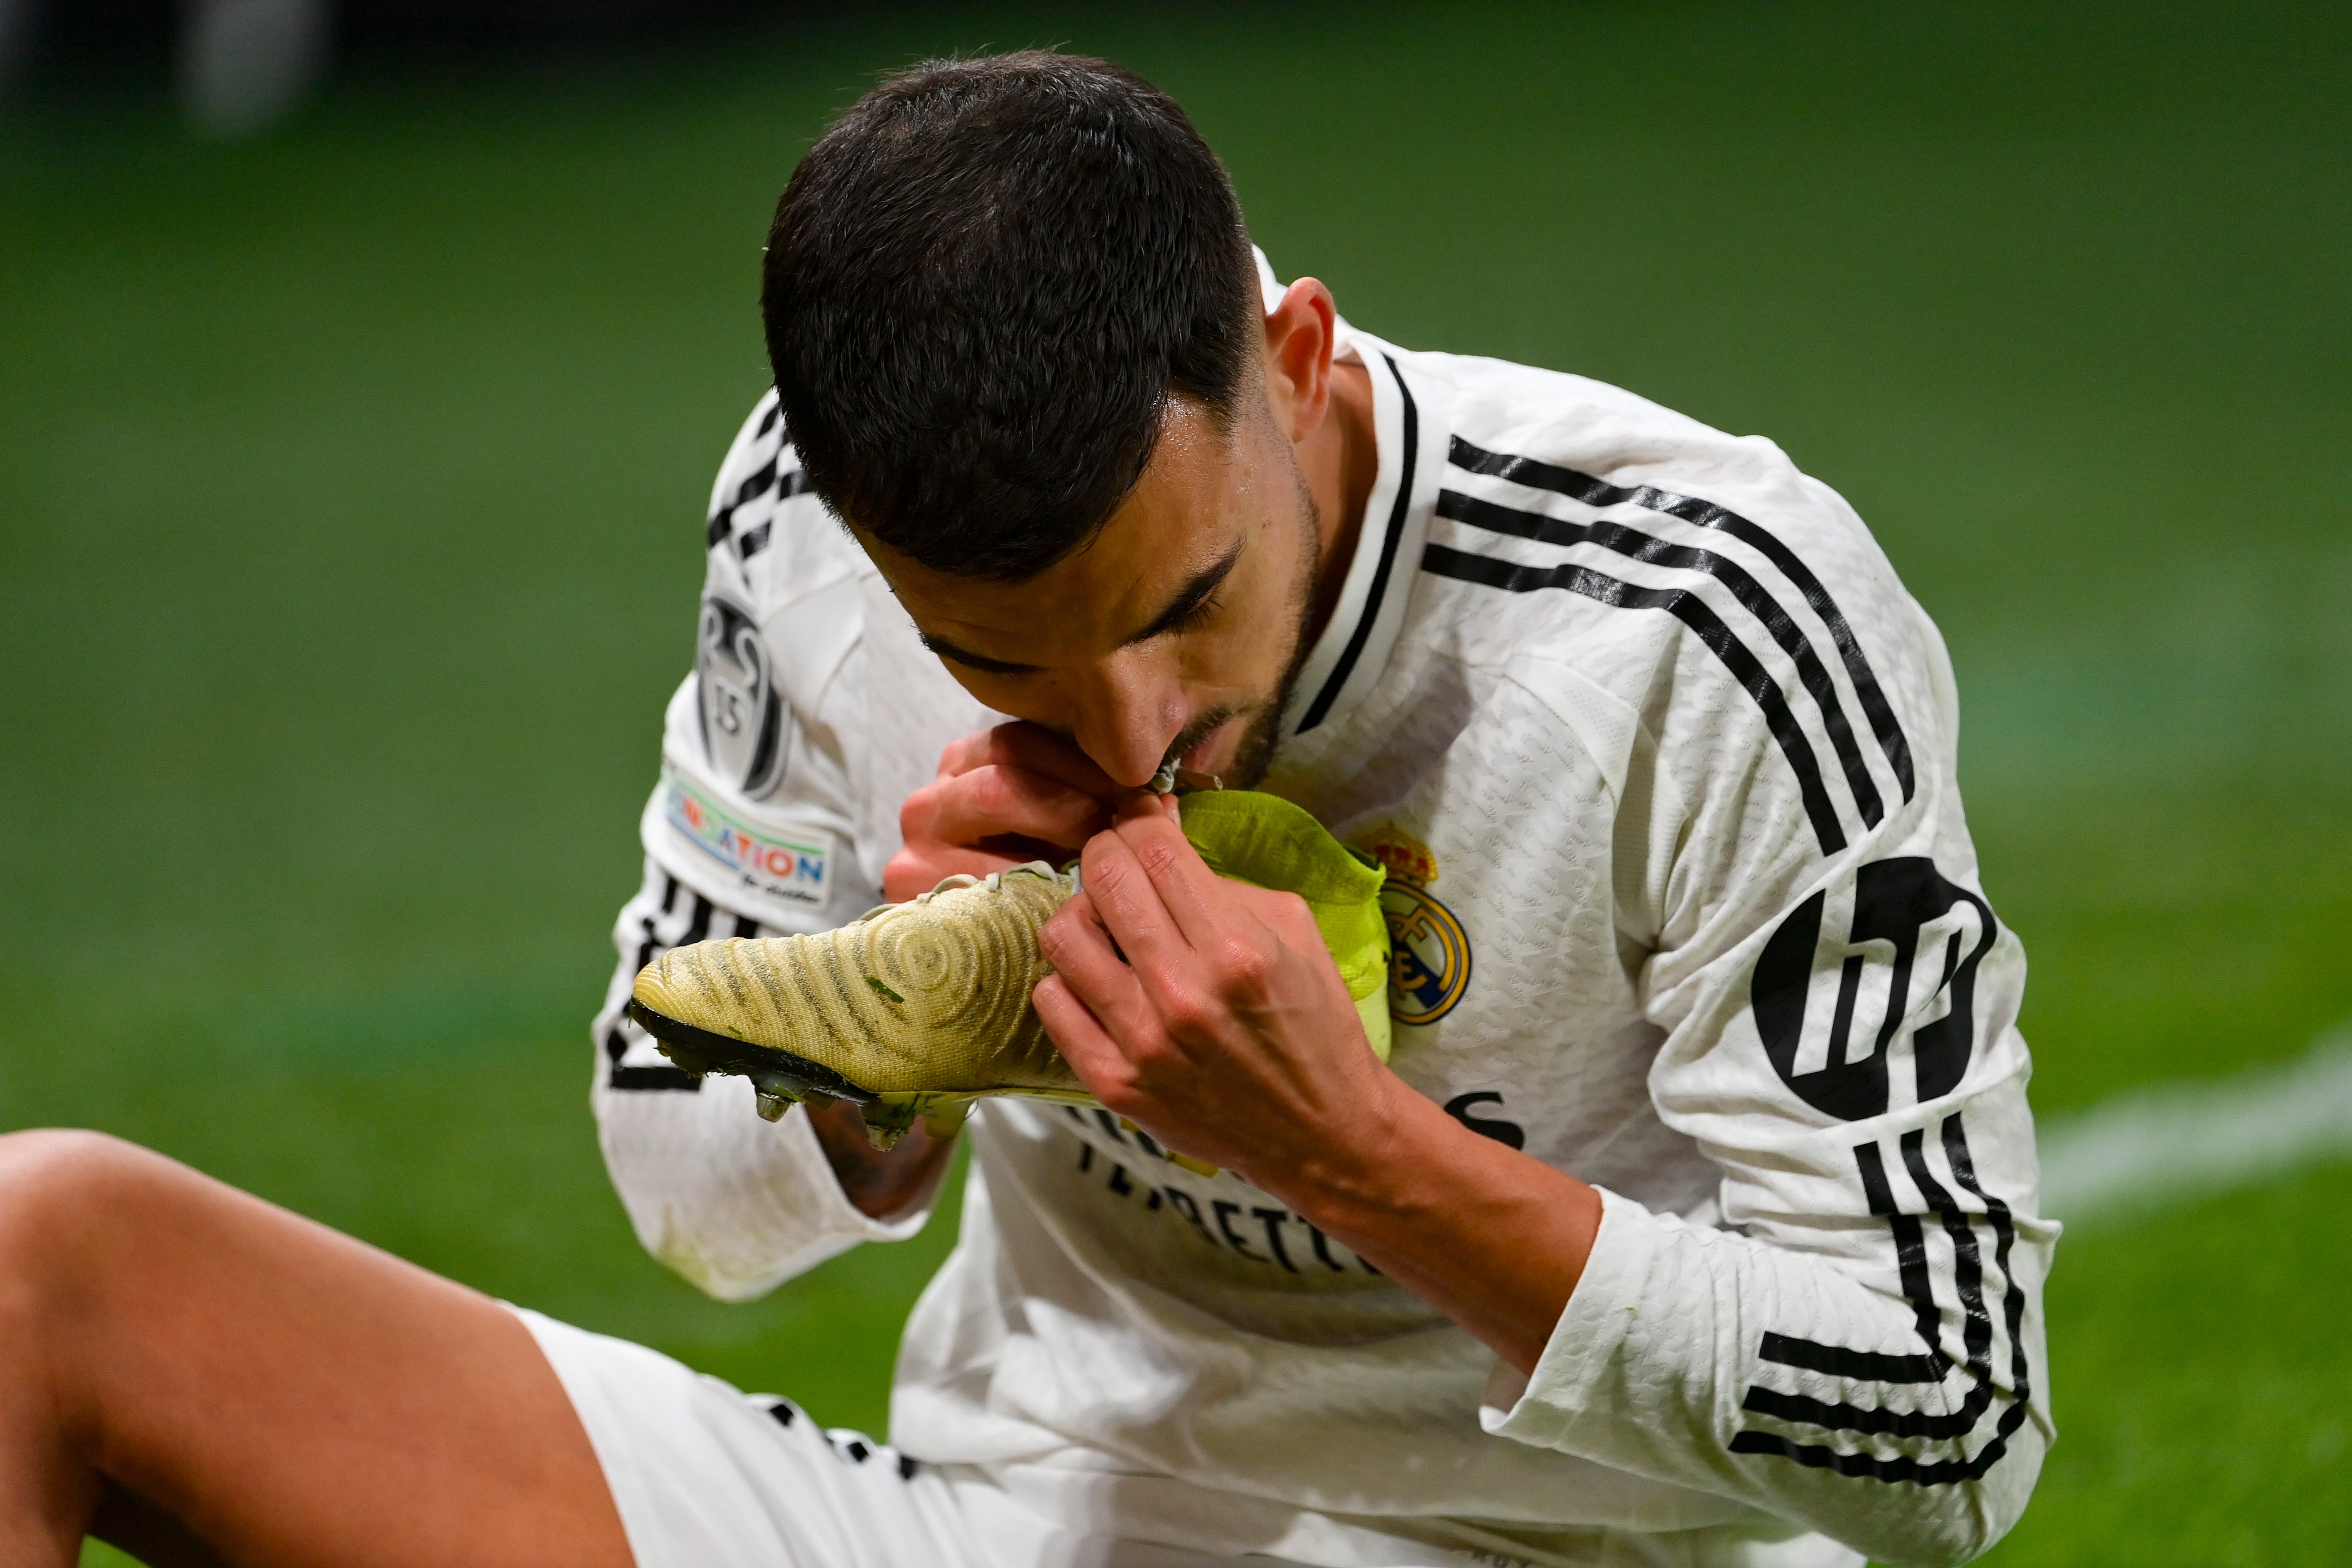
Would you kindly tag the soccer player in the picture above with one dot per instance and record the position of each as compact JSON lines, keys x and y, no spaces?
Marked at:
{"x":1692,"y":1219}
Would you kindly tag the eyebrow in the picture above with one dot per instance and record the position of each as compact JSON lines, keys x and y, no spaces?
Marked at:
{"x":1187,"y":600}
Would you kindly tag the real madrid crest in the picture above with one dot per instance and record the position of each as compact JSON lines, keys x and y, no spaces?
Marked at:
{"x":745,"y":724}
{"x":1429,"y":961}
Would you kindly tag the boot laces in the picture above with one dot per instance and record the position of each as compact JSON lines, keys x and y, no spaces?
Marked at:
{"x":993,"y":883}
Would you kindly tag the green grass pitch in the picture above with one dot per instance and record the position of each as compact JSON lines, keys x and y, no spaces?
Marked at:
{"x":351,"y":486}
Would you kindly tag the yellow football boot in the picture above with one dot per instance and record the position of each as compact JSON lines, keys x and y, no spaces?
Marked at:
{"x":917,"y":1010}
{"x":1265,"y":841}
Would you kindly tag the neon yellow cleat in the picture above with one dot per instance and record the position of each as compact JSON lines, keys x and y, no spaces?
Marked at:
{"x":913,"y":1007}
{"x":1265,"y":841}
{"x":917,"y":1009}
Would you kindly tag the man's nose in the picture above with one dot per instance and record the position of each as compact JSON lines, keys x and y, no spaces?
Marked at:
{"x":1128,"y":713}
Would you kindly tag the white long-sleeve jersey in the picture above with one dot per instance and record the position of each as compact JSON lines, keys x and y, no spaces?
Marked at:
{"x":1660,"y":756}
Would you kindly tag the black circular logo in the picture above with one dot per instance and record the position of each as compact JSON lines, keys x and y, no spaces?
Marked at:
{"x":1829,"y":1005}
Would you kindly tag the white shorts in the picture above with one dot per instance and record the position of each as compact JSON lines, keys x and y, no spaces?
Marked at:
{"x":708,"y":1477}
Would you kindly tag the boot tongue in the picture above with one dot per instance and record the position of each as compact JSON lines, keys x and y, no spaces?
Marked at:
{"x":1270,"y":842}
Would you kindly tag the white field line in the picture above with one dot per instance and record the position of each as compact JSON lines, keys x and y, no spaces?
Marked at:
{"x":2168,"y":1143}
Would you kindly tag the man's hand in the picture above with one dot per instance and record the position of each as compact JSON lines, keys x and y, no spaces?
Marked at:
{"x":1210,"y":1014}
{"x":1206,"y":1010}
{"x":1002,"y":796}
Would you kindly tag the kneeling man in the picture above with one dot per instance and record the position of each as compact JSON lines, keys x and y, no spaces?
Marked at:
{"x":1689,"y":1220}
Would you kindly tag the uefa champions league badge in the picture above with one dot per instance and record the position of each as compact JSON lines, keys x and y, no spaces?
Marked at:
{"x":745,"y":726}
{"x":783,"y":866}
{"x":1429,"y":952}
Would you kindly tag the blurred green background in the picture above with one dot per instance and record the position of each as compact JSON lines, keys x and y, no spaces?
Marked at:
{"x":351,"y":493}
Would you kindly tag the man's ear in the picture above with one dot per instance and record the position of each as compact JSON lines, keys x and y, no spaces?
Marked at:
{"x":1299,"y":339}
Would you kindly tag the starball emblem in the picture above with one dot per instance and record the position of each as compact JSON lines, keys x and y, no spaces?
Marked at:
{"x":745,"y":724}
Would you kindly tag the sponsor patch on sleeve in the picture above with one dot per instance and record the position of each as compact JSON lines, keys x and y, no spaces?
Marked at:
{"x":789,"y":866}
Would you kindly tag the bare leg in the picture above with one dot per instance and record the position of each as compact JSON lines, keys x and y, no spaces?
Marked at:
{"x":199,"y":1360}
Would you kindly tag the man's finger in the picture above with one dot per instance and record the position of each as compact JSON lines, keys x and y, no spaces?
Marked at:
{"x":1040,"y":751}
{"x":995,"y":799}
{"x":1129,"y":906}
{"x":909,"y":874}
{"x":1032,"y":748}
{"x":1076,"y":943}
{"x":1187,"y":890}
{"x":1079,"y":1035}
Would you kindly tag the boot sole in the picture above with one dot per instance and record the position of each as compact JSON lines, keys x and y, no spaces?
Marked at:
{"x":771,"y":1070}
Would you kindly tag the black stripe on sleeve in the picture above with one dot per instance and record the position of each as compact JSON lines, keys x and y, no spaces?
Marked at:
{"x":1870,"y":1421}
{"x":1753,"y":596}
{"x":661,"y":1077}
{"x":1918,"y":1289}
{"x":1959,"y":1421}
{"x":1902,"y":1467}
{"x":1397,"y":511}
{"x":1977,"y":1334}
{"x":1693,"y":612}
{"x":674,"y":1079}
{"x":2004,"y":1232}
{"x":1597,"y":492}
{"x":761,"y":479}
{"x":657,"y":1078}
{"x":1910,"y":1247}
{"x":1967,"y":1264}
{"x":752,"y":540}
{"x":1862,"y":1366}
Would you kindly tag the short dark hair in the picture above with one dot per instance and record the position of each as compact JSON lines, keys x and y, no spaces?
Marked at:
{"x":985,"y":282}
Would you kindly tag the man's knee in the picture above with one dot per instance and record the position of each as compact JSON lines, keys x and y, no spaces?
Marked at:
{"x":58,"y":1186}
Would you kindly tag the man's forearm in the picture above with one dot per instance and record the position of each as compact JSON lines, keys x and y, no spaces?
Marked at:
{"x":1211,"y":1013}
{"x":883,"y":1184}
{"x":1492,"y":1238}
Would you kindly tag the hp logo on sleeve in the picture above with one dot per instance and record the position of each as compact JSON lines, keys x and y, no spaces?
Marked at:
{"x":1851,"y":965}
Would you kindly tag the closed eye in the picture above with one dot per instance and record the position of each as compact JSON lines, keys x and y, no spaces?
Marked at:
{"x":1194,"y":603}
{"x":1198,"y":616}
